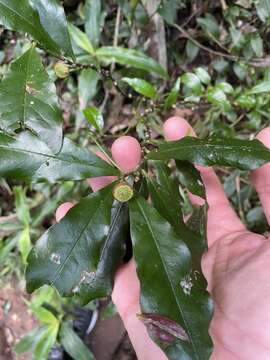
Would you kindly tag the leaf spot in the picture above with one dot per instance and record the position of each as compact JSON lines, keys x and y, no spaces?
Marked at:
{"x":186,"y":284}
{"x":55,"y":258}
{"x":87,"y":277}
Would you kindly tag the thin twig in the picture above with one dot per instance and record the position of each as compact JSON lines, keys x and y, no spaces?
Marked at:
{"x":257,"y":62}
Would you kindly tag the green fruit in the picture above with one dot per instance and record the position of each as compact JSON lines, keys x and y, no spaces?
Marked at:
{"x":123,"y":192}
{"x":61,"y":70}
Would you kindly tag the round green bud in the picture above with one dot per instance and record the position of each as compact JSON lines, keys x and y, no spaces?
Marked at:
{"x":123,"y":192}
{"x":61,"y":70}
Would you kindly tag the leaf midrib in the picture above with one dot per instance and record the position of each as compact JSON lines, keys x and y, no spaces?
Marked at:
{"x":60,"y":269}
{"x":48,"y":156}
{"x":166,"y":271}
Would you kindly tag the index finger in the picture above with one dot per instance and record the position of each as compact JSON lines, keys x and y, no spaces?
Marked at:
{"x":221,"y":218}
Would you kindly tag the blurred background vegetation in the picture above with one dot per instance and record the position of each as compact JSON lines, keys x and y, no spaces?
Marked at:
{"x":217,"y":55}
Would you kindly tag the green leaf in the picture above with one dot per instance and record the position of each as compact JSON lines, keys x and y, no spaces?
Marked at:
{"x":80,"y":39}
{"x":256,"y":44}
{"x":209,"y":25}
{"x":28,"y":100}
{"x":27,"y":158}
{"x":80,"y":250}
{"x":41,"y":24}
{"x":226,"y":87}
{"x":203,"y":75}
{"x":263,"y":9}
{"x":48,"y":339}
{"x":73,"y":345}
{"x":173,"y":95}
{"x":94,"y":117}
{"x":169,"y":286}
{"x":141,"y":86}
{"x":28,"y":342}
{"x":93,"y":20}
{"x":22,"y":209}
{"x":192,"y":50}
{"x":262,"y":87}
{"x":241,"y":154}
{"x":110,"y":257}
{"x":53,"y":19}
{"x":45,"y":316}
{"x":165,"y":191}
{"x":87,"y":86}
{"x":190,"y":177}
{"x":24,"y":244}
{"x":218,"y":97}
{"x":168,"y":10}
{"x":192,"y":81}
{"x":130,"y":57}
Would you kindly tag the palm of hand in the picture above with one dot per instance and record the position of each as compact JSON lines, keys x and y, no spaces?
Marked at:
{"x":238,"y":277}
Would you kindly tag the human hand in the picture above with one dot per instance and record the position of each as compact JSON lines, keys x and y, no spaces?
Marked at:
{"x":235,"y":267}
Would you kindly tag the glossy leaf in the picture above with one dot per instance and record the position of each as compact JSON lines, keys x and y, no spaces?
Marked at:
{"x":241,"y":154}
{"x":93,"y":20}
{"x":94,"y":117}
{"x":130,"y":57}
{"x":28,"y":100}
{"x":173,"y":95}
{"x":190,"y":177}
{"x":169,"y":286}
{"x":53,"y":19}
{"x":73,"y":345}
{"x":165,"y":191}
{"x":111,"y":254}
{"x":46,"y":23}
{"x":27,"y":158}
{"x":141,"y":86}
{"x":80,"y":39}
{"x":79,"y":254}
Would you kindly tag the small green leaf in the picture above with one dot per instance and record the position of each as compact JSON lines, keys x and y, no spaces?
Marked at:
{"x":27,"y":158}
{"x":94,"y":20}
{"x":173,"y":95}
{"x":256,"y":44}
{"x":73,"y":345}
{"x":44,"y":345}
{"x":28,"y":100}
{"x":192,"y":50}
{"x":94,"y":117}
{"x":80,"y":39}
{"x":130,"y":57}
{"x":209,"y":25}
{"x":24,"y":244}
{"x":28,"y":342}
{"x":87,"y":86}
{"x":22,"y":209}
{"x":263,"y":9}
{"x":218,"y":97}
{"x":262,"y":87}
{"x":241,"y":154}
{"x":225,"y":87}
{"x":190,"y":177}
{"x":192,"y":81}
{"x":141,"y":86}
{"x":203,"y":75}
